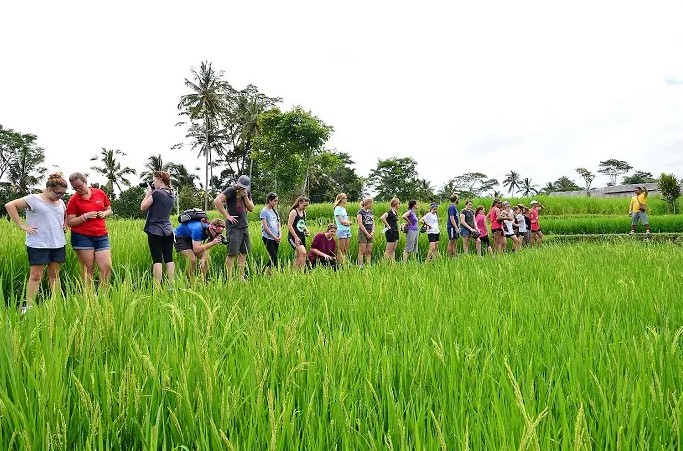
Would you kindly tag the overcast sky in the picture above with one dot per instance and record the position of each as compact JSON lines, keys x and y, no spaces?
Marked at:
{"x":537,"y":87}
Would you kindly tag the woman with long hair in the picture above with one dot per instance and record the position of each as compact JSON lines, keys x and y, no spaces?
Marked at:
{"x":297,"y":231}
{"x":270,"y":230}
{"x":85,"y":214}
{"x":480,"y":219}
{"x":158,"y":203}
{"x":410,"y":217}
{"x":390,"y":220}
{"x":341,"y":219}
{"x":45,"y":240}
{"x":366,"y":231}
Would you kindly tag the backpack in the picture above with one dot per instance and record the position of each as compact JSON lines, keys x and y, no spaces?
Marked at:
{"x":193,"y":214}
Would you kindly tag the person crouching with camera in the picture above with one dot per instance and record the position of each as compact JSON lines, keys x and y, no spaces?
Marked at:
{"x":193,"y":239}
{"x":158,"y":203}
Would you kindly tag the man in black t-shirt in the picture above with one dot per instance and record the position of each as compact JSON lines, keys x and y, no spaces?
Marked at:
{"x":238,"y":200}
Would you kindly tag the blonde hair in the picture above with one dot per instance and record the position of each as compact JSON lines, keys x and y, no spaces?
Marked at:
{"x":339,"y":199}
{"x":365,"y":202}
{"x":218,"y":222}
{"x":55,"y":180}
{"x":394,"y":202}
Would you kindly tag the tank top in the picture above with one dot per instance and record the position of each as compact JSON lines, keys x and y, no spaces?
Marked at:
{"x":495,"y":224}
{"x":299,"y":225}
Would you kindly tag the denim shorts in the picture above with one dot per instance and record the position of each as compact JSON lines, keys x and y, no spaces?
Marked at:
{"x":41,"y":256}
{"x":342,"y":234}
{"x":86,"y":242}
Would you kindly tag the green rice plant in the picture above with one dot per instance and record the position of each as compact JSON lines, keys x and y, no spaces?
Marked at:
{"x":577,"y":225}
{"x":553,"y":348}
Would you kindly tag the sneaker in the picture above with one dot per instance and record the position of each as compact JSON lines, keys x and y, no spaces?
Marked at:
{"x":25,"y":308}
{"x":633,"y":232}
{"x":647,"y":232}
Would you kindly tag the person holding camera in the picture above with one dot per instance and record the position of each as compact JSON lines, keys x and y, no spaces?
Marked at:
{"x":45,"y":240}
{"x":238,"y":200}
{"x":158,"y":203}
{"x":468,"y":229}
{"x":85,"y":213}
{"x":194,"y":238}
{"x":638,"y":209}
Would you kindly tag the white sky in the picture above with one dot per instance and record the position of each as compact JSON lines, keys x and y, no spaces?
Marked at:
{"x":539,"y":87}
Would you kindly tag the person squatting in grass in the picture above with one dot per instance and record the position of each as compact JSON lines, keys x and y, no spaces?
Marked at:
{"x":638,"y":209}
{"x":324,"y":248}
{"x":468,"y":229}
{"x":366,"y":231}
{"x":190,"y":240}
{"x":390,"y":220}
{"x":453,"y":227}
{"x":158,"y":203}
{"x":341,"y":219}
{"x":431,"y":221}
{"x":536,"y":232}
{"x":238,"y":200}
{"x":270,"y":230}
{"x":85,"y":214}
{"x":480,"y":219}
{"x":297,"y":231}
{"x":411,"y":228}
{"x":45,"y":239}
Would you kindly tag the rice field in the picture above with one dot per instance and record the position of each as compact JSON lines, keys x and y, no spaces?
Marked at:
{"x":552,"y":348}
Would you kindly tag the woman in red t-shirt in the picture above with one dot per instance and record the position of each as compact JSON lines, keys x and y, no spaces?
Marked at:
{"x":85,"y":214}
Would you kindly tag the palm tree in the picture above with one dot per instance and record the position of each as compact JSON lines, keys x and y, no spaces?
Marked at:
{"x":180,"y":176}
{"x":548,"y":188}
{"x":111,"y":168}
{"x":511,"y":181}
{"x":527,"y":188}
{"x":205,"y":104}
{"x":154,"y":164}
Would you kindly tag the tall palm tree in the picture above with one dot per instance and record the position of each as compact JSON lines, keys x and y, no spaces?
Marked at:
{"x":180,"y":176}
{"x":511,"y":181}
{"x":110,"y":168}
{"x":527,"y":188}
{"x":154,"y":164}
{"x":205,"y":104}
{"x":548,"y":188}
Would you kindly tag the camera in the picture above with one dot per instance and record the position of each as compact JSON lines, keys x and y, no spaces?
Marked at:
{"x":149,"y":184}
{"x":224,"y":240}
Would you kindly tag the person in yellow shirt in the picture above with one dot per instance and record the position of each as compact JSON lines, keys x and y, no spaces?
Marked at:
{"x":638,"y":209}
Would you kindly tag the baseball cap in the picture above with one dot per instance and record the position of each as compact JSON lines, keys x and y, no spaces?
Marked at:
{"x":244,"y":182}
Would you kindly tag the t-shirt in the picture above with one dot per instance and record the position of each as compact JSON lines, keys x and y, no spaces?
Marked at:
{"x":273,"y":221}
{"x":197,"y":230}
{"x":367,"y":218}
{"x":157,"y":222}
{"x":49,"y":223}
{"x":508,"y":223}
{"x":481,"y":224}
{"x":521,"y":222}
{"x":452,"y":212}
{"x":77,"y":205}
{"x":392,"y":220}
{"x":236,"y":207}
{"x":637,"y":201}
{"x":412,"y":221}
{"x":321,"y":243}
{"x":340,"y":213}
{"x":432,"y":221}
{"x":469,"y":217}
{"x":533,"y":215}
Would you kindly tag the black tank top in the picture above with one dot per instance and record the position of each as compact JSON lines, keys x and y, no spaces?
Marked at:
{"x":299,"y":225}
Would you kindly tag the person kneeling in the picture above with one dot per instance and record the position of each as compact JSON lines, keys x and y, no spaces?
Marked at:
{"x":190,"y":240}
{"x":324,"y":248}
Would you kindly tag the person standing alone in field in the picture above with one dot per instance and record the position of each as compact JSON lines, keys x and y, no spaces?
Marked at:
{"x":45,"y":240}
{"x":638,"y":209}
{"x":158,"y":203}
{"x":238,"y":200}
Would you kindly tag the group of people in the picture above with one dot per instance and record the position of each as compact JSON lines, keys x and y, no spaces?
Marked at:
{"x":47,"y":219}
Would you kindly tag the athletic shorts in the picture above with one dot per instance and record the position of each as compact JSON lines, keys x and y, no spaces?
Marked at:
{"x":161,"y":248}
{"x":411,"y":241}
{"x":391,"y":236}
{"x":496,"y":231}
{"x":238,"y":240}
{"x":485,"y":240}
{"x":182,"y":243}
{"x":86,"y":242}
{"x":41,"y":256}
{"x":433,"y":237}
{"x":452,"y":233}
{"x":290,"y":240}
{"x":537,"y":231}
{"x":363,"y":239}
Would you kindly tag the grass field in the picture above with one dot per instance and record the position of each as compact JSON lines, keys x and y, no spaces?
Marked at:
{"x":540,"y":350}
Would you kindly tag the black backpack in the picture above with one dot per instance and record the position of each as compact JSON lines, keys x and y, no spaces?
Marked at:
{"x":193,"y":214}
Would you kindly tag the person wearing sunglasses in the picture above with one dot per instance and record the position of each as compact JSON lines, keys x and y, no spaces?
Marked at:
{"x":45,"y":240}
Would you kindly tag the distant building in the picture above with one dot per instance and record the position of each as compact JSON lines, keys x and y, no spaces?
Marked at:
{"x":611,"y":191}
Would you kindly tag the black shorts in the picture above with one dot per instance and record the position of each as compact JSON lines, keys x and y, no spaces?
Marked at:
{"x":182,"y":243}
{"x":537,"y":231}
{"x":292,"y":243}
{"x":485,"y":240}
{"x":161,"y":248}
{"x":40,"y":256}
{"x":433,"y":237}
{"x":391,"y":235}
{"x":272,"y":247}
{"x":509,"y":235}
{"x":497,"y":231}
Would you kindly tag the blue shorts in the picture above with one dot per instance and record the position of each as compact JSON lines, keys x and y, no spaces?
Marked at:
{"x":452,"y":233}
{"x":465,"y":232}
{"x":86,"y":242}
{"x":40,"y":256}
{"x":343,"y":234}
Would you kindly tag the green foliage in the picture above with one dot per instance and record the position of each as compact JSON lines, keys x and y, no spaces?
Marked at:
{"x":127,"y":205}
{"x":599,"y":224}
{"x":468,"y":185}
{"x":398,"y":177}
{"x":587,"y":177}
{"x":331,"y":173}
{"x":286,"y":146}
{"x":110,"y":168}
{"x":21,"y":161}
{"x":189,"y":197}
{"x":512,"y":181}
{"x":638,"y":177}
{"x":564,"y":183}
{"x":670,"y":188}
{"x":613,"y":169}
